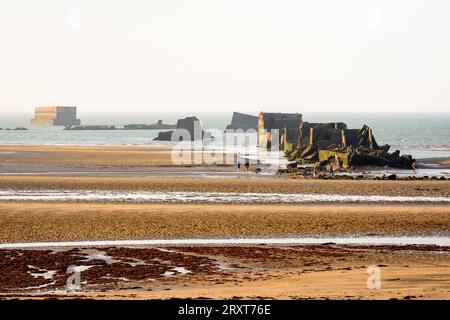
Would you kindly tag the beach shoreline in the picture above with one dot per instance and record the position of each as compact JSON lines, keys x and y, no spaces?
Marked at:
{"x":152,"y":161}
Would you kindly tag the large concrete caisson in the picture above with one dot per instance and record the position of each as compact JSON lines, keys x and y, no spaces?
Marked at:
{"x":188,"y":129}
{"x":277,"y":129}
{"x":325,"y":143}
{"x":334,"y":143}
{"x":242,"y":121}
{"x":55,"y":116}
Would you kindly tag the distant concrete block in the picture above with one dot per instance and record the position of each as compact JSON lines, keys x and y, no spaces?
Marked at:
{"x":55,"y":116}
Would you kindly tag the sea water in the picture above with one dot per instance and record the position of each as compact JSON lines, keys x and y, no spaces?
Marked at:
{"x":424,"y":135}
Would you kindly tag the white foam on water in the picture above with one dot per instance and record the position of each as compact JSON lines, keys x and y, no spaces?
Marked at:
{"x":199,"y":197}
{"x":431,"y":240}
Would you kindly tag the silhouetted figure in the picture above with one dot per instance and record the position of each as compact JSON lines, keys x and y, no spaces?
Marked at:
{"x":247,"y":164}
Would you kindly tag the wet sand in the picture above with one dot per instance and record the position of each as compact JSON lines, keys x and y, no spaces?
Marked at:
{"x":223,"y":272}
{"x":244,"y":184}
{"x":133,"y":161}
{"x":82,"y":155}
{"x":437,"y":163}
{"x":76,"y":222}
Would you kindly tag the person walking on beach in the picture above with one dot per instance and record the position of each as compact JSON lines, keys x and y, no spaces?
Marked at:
{"x":238,"y":165}
{"x":247,"y":164}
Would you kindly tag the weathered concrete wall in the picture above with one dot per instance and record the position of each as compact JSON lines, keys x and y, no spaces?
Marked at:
{"x":321,"y":134}
{"x":189,"y":125}
{"x":243,"y":121}
{"x":277,"y":122}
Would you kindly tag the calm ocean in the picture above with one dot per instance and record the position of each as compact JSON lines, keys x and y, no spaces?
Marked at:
{"x":421,"y":134}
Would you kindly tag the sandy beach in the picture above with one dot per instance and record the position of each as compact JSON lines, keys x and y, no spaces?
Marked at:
{"x":139,"y":161}
{"x":244,"y":184}
{"x":314,"y":271}
{"x":74,"y":222}
{"x":87,"y":155}
{"x":242,"y":272}
{"x":229,"y":150}
{"x":94,"y":156}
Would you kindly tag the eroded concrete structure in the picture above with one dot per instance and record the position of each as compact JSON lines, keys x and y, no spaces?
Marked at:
{"x":155,"y":126}
{"x":277,"y":129}
{"x":242,"y":121}
{"x":188,"y":129}
{"x":325,"y":143}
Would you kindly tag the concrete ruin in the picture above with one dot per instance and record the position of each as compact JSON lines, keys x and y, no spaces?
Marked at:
{"x":190,"y":126}
{"x":242,"y":121}
{"x":280,"y":126}
{"x":91,"y":127}
{"x":155,"y":126}
{"x":55,"y":116}
{"x":325,"y":143}
{"x":333,"y":143}
{"x":335,"y":134}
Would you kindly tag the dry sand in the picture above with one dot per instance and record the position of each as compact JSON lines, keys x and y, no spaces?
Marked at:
{"x":26,"y":222}
{"x":420,"y":282}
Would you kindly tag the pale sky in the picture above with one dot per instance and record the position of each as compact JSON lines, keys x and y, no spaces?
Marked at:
{"x":225,"y":55}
